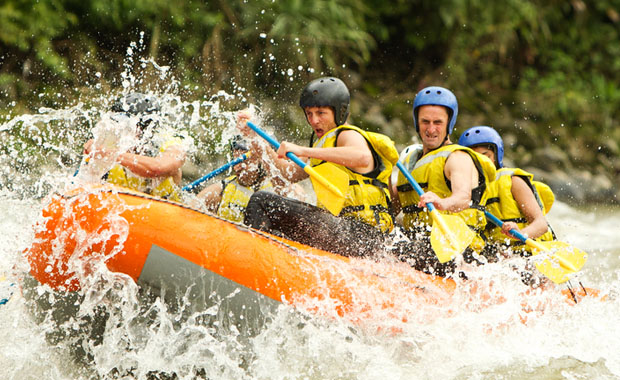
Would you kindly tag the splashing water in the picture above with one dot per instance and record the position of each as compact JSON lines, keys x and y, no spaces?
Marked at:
{"x":113,"y":329}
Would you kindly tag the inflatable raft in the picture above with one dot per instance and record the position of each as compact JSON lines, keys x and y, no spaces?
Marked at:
{"x":184,"y":254}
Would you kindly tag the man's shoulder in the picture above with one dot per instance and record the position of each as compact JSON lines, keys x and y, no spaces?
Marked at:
{"x":348,"y":136}
{"x":461,"y":154}
{"x":168,"y":138}
{"x":460,"y":157}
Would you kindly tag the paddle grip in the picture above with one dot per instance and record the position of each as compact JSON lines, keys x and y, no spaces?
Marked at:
{"x":414,"y":183}
{"x":217,"y":171}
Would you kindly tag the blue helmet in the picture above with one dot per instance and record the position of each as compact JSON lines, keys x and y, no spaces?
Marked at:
{"x":483,"y":135}
{"x":436,"y":96}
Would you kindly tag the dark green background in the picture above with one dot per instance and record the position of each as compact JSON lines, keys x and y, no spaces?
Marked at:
{"x":546,"y":74}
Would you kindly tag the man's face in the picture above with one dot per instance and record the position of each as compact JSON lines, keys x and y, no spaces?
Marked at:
{"x":486,"y":151}
{"x":433,"y":126}
{"x":321,"y":119}
{"x":247,"y":172}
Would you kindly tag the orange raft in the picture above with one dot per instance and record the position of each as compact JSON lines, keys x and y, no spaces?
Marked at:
{"x":166,"y":245}
{"x":184,"y":254}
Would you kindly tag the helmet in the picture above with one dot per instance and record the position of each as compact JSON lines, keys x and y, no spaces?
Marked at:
{"x":327,"y":92}
{"x":136,"y":104}
{"x":436,"y":96}
{"x":482,"y":135}
{"x":239,"y":143}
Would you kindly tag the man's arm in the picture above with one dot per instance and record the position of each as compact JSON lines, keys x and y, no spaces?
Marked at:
{"x":167,"y":164}
{"x":351,"y":150}
{"x":289,"y":170}
{"x":537,"y":223}
{"x":211,"y":196}
{"x":463,"y":176}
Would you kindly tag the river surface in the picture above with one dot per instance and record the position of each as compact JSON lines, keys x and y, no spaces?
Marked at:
{"x":144,"y":339}
{"x":572,"y":342}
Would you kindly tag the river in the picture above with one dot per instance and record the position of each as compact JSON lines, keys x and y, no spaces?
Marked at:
{"x":147,"y":340}
{"x":572,"y":342}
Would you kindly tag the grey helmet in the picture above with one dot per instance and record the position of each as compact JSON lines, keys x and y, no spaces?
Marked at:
{"x":138,"y":104}
{"x":327,"y":92}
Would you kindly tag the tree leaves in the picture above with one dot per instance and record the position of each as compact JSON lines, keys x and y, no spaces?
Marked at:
{"x":547,"y":62}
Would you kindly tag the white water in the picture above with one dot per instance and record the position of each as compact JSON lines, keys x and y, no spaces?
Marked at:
{"x":571,"y":342}
{"x":146,"y":340}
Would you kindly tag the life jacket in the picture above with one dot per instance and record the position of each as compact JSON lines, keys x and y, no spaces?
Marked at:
{"x":428,"y":171}
{"x":502,"y":204}
{"x":164,"y":187}
{"x":235,"y":198}
{"x":368,"y":196}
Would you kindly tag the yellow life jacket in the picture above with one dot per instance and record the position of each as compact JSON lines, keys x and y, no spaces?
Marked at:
{"x":235,"y":198}
{"x":428,"y":171}
{"x":502,"y":204}
{"x":164,"y":187}
{"x":368,"y":196}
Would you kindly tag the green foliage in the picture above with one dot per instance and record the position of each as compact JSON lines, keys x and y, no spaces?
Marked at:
{"x":31,"y":27}
{"x":546,"y":71}
{"x":278,"y":42}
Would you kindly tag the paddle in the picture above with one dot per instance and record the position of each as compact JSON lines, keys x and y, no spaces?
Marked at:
{"x":332,"y":201}
{"x":215,"y":172}
{"x":562,"y":259}
{"x":6,"y":290}
{"x":83,"y":162}
{"x":450,"y":235}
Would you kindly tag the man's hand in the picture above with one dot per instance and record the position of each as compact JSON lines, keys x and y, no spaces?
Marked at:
{"x":507,"y":226}
{"x":286,"y":147}
{"x":243,"y":117}
{"x":430,"y":197}
{"x":96,"y":152}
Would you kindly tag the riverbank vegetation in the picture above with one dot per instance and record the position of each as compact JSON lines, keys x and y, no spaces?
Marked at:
{"x":546,"y":74}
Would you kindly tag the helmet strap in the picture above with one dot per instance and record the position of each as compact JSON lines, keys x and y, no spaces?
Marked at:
{"x":312,"y":136}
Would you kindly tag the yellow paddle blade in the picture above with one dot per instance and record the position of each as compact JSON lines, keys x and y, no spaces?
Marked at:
{"x":561,"y":259}
{"x":450,"y":236}
{"x":330,"y":185}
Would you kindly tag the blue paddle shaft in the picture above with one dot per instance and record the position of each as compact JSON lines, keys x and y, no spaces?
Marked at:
{"x":499,"y":223}
{"x":78,"y":168}
{"x":414,"y":183}
{"x":217,"y":171}
{"x":275,"y":144}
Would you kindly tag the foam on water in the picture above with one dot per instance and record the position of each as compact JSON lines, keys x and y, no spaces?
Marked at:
{"x":480,"y":337}
{"x":117,"y":331}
